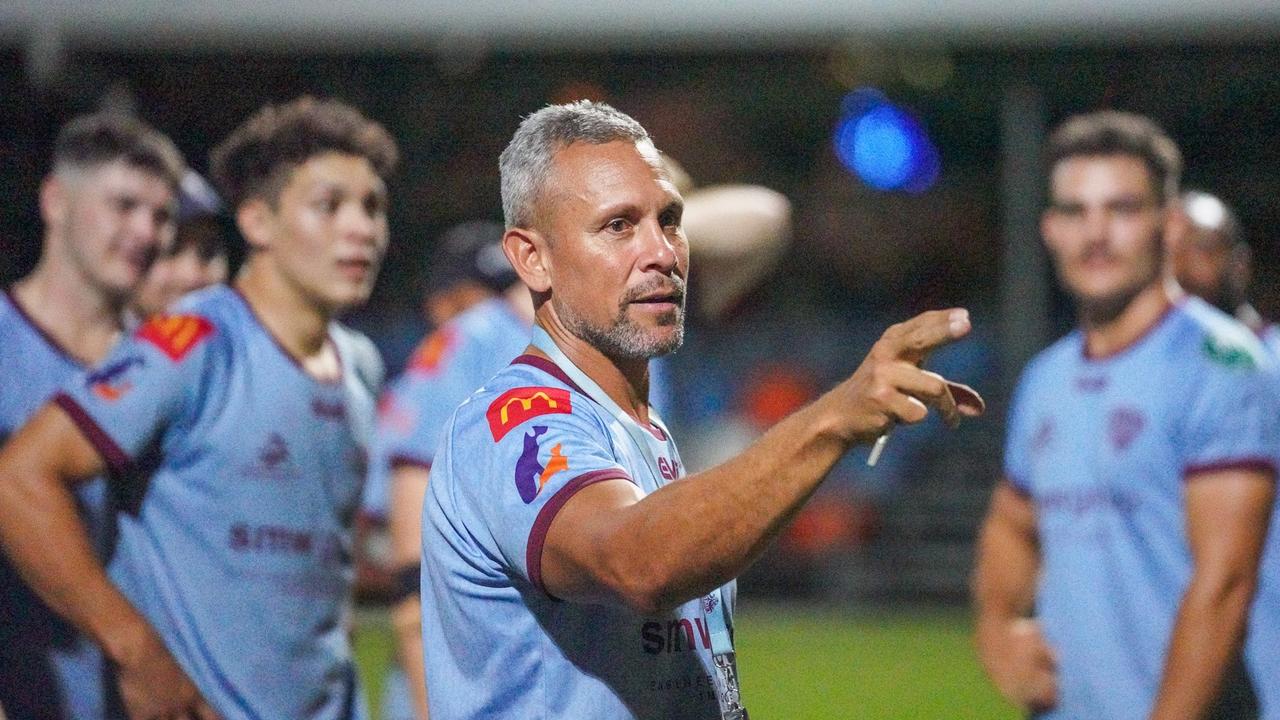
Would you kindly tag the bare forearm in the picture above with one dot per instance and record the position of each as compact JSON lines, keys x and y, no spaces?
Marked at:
{"x":1208,"y":632}
{"x":406,"y":618}
{"x":1004,"y":576}
{"x":694,"y":535}
{"x":44,"y":537}
{"x":1005,"y":572}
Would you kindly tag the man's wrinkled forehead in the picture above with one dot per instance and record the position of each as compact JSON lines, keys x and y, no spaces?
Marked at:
{"x":558,"y":187}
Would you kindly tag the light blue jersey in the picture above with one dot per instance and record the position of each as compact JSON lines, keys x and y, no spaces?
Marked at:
{"x":497,"y":645}
{"x":1262,"y":646}
{"x":446,"y":368}
{"x":1103,"y":447}
{"x":47,"y":669}
{"x":241,"y":477}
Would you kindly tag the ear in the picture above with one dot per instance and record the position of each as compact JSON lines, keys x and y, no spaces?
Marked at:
{"x":53,"y":200}
{"x":1047,"y":220}
{"x":527,"y":251}
{"x":256,"y":221}
{"x":1175,"y":224}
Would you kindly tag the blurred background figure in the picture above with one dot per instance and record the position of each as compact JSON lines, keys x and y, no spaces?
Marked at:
{"x":198,"y":256}
{"x":467,"y":269}
{"x":107,"y":208}
{"x":483,"y":316}
{"x":1212,"y":259}
{"x":1118,"y":561}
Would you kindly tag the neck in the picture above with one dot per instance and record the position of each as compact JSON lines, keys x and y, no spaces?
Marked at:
{"x":84,"y":321}
{"x":1107,"y":336}
{"x":626,"y":382}
{"x":520,"y":301}
{"x":297,"y":323}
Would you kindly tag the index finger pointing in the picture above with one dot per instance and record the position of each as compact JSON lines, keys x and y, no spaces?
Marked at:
{"x":917,"y":337}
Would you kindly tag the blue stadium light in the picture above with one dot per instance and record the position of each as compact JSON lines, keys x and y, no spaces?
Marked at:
{"x":884,"y":145}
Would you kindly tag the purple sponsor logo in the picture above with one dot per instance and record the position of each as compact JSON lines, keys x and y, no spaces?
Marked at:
{"x":1091,"y":383}
{"x":328,"y":409}
{"x":669,"y":469}
{"x":674,"y":636}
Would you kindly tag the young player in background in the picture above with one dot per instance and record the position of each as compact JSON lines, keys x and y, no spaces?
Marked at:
{"x":1117,"y":562}
{"x":196,"y":259}
{"x":484,"y":317}
{"x":236,"y":431}
{"x":108,"y":207}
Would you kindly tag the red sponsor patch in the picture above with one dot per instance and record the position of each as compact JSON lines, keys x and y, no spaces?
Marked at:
{"x":175,"y":335}
{"x":514,"y":407}
{"x":431,"y":353}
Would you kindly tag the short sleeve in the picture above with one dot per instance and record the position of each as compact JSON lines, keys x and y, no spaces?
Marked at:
{"x":537,"y":448}
{"x":1231,"y":421}
{"x":126,"y":402}
{"x":412,"y":414}
{"x":1017,"y":467}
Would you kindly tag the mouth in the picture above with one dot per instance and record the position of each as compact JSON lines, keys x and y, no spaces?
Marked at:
{"x":660,"y":301}
{"x":355,"y":268}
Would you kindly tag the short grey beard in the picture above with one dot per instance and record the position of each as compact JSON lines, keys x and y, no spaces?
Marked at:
{"x":622,"y":339}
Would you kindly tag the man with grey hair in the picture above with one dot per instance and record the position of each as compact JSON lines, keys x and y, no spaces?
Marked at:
{"x":570,"y":569}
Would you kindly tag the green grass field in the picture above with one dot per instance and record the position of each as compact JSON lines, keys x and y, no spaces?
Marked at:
{"x":799,"y":663}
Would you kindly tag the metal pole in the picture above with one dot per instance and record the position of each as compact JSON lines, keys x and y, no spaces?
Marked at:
{"x":1024,"y":280}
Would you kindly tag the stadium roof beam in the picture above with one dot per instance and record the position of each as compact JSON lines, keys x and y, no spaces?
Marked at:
{"x":639,"y":25}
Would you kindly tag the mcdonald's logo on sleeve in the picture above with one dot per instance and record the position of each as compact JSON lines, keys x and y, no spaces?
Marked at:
{"x":516,"y":406}
{"x":175,"y":335}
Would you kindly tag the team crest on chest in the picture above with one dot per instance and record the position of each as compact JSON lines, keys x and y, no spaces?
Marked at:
{"x":1124,"y":425}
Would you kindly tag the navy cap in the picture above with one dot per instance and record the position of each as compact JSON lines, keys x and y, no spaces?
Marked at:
{"x":471,"y":251}
{"x":197,"y":198}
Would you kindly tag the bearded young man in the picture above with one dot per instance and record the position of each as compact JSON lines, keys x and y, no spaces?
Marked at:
{"x":1120,"y":553}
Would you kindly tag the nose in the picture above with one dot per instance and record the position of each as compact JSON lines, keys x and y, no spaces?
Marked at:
{"x":360,"y":223}
{"x":658,"y":251}
{"x":1097,"y":227}
{"x":149,"y":225}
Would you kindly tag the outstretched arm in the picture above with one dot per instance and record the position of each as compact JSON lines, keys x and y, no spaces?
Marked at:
{"x":610,"y":544}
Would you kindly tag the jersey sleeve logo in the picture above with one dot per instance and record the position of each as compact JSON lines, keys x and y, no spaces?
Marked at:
{"x":531,"y":473}
{"x":175,"y":335}
{"x":430,"y":355}
{"x":517,"y":406}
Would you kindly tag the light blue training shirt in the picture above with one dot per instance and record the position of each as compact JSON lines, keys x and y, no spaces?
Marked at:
{"x":1104,"y":447}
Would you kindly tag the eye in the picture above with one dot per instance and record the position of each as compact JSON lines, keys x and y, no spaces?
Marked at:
{"x":375,"y":205}
{"x":618,"y":225}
